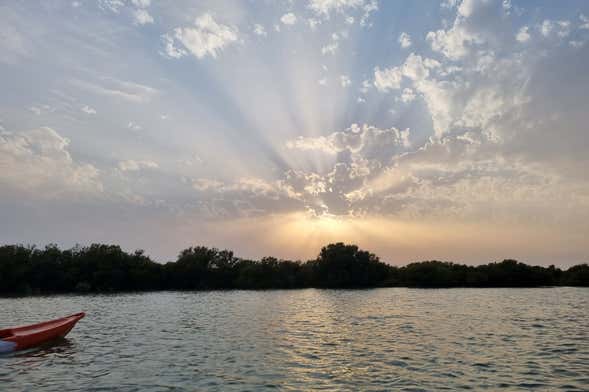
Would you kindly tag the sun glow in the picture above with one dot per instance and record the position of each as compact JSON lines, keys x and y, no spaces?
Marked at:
{"x":398,"y":241}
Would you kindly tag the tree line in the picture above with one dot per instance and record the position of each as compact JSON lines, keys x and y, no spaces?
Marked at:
{"x":102,"y":268}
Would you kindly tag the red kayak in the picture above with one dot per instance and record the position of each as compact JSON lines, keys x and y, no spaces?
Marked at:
{"x":19,"y":338}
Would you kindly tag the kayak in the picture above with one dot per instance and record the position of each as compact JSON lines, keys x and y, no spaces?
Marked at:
{"x":19,"y":338}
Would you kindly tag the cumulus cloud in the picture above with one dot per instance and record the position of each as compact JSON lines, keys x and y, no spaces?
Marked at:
{"x":88,"y":110}
{"x":361,"y":153}
{"x":523,"y":34}
{"x":407,"y":95}
{"x":387,"y":79}
{"x":498,"y":128}
{"x":475,"y":22}
{"x":206,"y":37}
{"x":415,"y":68}
{"x":405,"y":40}
{"x":325,"y":7}
{"x":171,"y":50}
{"x":560,"y":28}
{"x":366,"y":140}
{"x":138,"y":9}
{"x":260,"y":30}
{"x":36,"y":163}
{"x":490,"y":119}
{"x":142,"y":17}
{"x":111,"y":5}
{"x":288,"y":19}
{"x":345,"y":80}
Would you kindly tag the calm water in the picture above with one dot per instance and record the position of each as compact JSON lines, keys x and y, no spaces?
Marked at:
{"x":385,"y":339}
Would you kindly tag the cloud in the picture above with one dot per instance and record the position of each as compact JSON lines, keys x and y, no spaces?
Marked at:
{"x":134,"y":126}
{"x":475,"y":23}
{"x":36,"y":163}
{"x":345,"y":80}
{"x":110,"y":87}
{"x":451,"y":43}
{"x":41,"y":109}
{"x":496,"y":110}
{"x":584,"y":22}
{"x":260,"y":30}
{"x":546,"y":27}
{"x":140,"y":14}
{"x":449,"y":3}
{"x":206,"y":37}
{"x":560,"y":28}
{"x":407,"y":95}
{"x":142,"y":17}
{"x":111,"y":5}
{"x":364,"y":140}
{"x":490,"y":118}
{"x":330,"y":48}
{"x":141,"y":3}
{"x":313,"y":23}
{"x":14,"y":44}
{"x":326,"y":7}
{"x":88,"y":110}
{"x":170,"y":48}
{"x":405,"y":40}
{"x":132,"y":165}
{"x":415,"y":68}
{"x":361,"y":153}
{"x":205,"y":184}
{"x":387,"y":79}
{"x":523,"y":35}
{"x":288,"y":19}
{"x":245,"y":196}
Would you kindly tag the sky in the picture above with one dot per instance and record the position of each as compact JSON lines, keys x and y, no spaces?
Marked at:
{"x":453,"y":130}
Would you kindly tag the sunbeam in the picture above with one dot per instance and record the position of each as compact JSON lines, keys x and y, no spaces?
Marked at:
{"x":279,"y":126}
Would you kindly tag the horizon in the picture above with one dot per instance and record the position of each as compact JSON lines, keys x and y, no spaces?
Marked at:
{"x":452,"y":130}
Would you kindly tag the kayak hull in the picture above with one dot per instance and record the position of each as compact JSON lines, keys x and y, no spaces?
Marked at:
{"x":20,"y":338}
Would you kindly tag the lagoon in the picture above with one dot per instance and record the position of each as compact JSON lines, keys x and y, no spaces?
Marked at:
{"x":372,"y":340}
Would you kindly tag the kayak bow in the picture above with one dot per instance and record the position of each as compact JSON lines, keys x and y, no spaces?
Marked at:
{"x":19,"y":338}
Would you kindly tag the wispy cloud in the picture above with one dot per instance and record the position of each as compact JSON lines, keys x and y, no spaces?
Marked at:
{"x":126,"y":90}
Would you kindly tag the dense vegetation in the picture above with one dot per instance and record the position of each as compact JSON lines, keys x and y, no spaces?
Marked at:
{"x":107,"y":268}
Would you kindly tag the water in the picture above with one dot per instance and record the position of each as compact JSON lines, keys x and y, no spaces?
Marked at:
{"x":384,"y":339}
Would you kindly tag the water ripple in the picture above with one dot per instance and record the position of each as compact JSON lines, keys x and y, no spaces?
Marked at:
{"x":328,"y":340}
